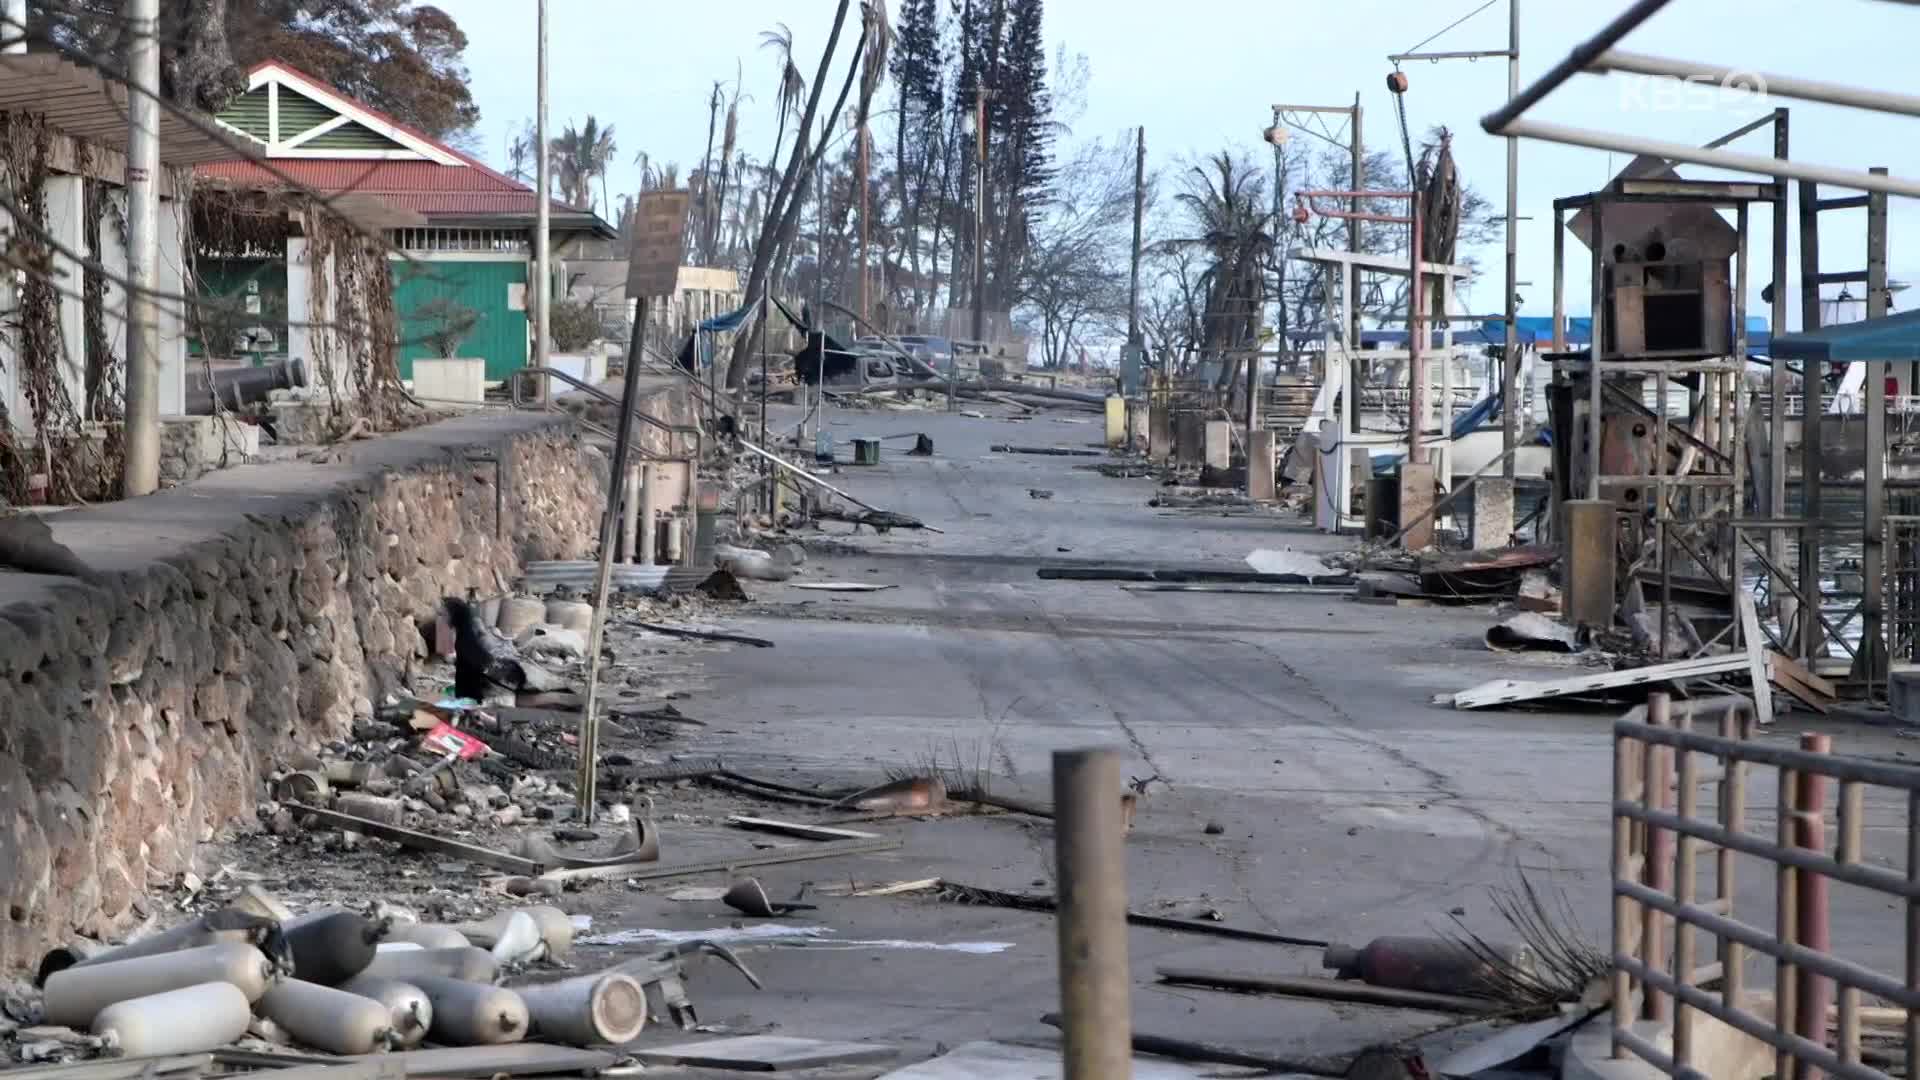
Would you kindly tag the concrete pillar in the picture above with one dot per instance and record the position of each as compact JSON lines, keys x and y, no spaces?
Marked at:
{"x":1159,"y":433}
{"x":172,"y":314}
{"x":1416,"y":498}
{"x":1116,"y":421}
{"x":1492,"y":524}
{"x":1137,"y":421}
{"x":1589,"y":547}
{"x":299,"y":305}
{"x":649,"y":545}
{"x":1218,"y":444}
{"x":1260,"y":479}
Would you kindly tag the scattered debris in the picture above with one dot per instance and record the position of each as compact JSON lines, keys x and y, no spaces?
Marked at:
{"x":973,"y":894}
{"x":1532,"y":630}
{"x":843,"y":586}
{"x":1052,"y":451}
{"x":749,"y":897}
{"x":911,"y":794}
{"x":1427,"y":965}
{"x":1039,"y":493}
{"x":765,"y":1053}
{"x":1187,"y":1050}
{"x":705,"y":635}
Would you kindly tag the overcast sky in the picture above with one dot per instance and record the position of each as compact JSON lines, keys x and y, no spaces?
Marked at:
{"x":1203,"y":74}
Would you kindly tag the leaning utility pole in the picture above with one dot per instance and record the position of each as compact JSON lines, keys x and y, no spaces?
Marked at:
{"x":142,"y":467}
{"x":542,"y":253}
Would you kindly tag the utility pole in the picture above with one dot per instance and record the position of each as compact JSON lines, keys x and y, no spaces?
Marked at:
{"x":865,"y":315}
{"x":542,"y":255}
{"x":1510,"y":308}
{"x":142,"y":468}
{"x":980,"y":213}
{"x":1358,"y":150}
{"x":1139,"y":213}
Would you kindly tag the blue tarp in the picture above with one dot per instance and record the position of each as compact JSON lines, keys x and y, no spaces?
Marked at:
{"x":1894,"y":337}
{"x":730,"y":321}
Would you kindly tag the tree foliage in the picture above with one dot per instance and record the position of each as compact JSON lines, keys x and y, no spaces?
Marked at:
{"x":576,"y":156}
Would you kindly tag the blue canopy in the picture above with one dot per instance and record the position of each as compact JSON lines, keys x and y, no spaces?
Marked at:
{"x":1893,"y":337}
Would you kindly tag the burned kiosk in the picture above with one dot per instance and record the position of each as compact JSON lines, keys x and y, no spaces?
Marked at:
{"x":1660,"y":480}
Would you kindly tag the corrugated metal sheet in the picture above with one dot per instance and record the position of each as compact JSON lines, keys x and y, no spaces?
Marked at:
{"x":486,"y":288}
{"x":82,"y":104}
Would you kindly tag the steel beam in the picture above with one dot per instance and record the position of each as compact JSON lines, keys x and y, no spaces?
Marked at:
{"x":1771,"y":85}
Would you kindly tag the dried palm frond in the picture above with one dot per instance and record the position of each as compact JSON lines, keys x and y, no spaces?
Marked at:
{"x":1560,"y":963}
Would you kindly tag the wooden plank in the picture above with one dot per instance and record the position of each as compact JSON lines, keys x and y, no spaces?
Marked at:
{"x":1756,"y":658}
{"x":500,"y":860}
{"x":1509,"y":691}
{"x":795,"y":828}
{"x":1800,"y":684}
{"x":654,"y":871}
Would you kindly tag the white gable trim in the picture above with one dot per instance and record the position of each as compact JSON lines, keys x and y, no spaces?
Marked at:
{"x":317,"y":130}
{"x":272,"y":75}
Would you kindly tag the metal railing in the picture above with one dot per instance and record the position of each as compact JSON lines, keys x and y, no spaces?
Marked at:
{"x":517,"y":384}
{"x":1658,"y":833}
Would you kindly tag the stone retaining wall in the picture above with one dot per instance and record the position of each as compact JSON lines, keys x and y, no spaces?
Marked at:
{"x":243,"y":617}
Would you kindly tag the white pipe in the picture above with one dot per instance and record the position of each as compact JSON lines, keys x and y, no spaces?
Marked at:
{"x":1758,"y":164}
{"x":142,"y":475}
{"x":1761,"y":83}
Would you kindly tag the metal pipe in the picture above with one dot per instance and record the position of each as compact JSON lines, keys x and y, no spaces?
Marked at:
{"x":1091,"y":855}
{"x":1777,"y":86}
{"x":807,"y":476}
{"x":622,"y":444}
{"x":1470,"y":54}
{"x":1597,"y":323}
{"x":1757,"y":164}
{"x":542,"y":242}
{"x":1657,"y":871}
{"x":1417,"y":327}
{"x":141,"y":473}
{"x":519,"y":400}
{"x":1497,"y":122}
{"x":1810,"y":833}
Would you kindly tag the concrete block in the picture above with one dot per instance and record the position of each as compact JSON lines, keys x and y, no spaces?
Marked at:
{"x":1492,"y":523}
{"x":1189,"y":439}
{"x":1416,"y":498}
{"x":450,"y":380}
{"x":1590,"y":563}
{"x":1159,"y":433}
{"x":1218,"y":449}
{"x":1138,"y":417}
{"x":1260,"y":477}
{"x":1116,"y":421}
{"x":1903,"y":694}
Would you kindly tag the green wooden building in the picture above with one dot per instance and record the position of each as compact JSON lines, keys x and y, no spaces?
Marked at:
{"x":464,"y":233}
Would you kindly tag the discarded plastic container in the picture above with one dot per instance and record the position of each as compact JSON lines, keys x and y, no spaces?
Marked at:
{"x":333,"y":948}
{"x":78,"y":994}
{"x":608,"y":1008}
{"x":1431,"y":965}
{"x":184,"y":1021}
{"x":473,"y":1014}
{"x":556,"y":928}
{"x":409,"y":1013}
{"x":328,"y":1019}
{"x":471,"y":963}
{"x":427,"y":936}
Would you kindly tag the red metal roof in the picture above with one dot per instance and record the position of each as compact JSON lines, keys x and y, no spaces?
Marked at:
{"x":424,"y":186}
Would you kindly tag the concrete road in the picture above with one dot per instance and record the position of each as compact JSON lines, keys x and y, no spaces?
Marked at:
{"x":1302,"y":781}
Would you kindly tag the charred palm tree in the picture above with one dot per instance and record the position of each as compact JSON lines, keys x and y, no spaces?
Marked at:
{"x":1232,"y":229}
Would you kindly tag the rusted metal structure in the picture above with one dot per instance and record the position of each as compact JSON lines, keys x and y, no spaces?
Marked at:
{"x":1660,"y":830}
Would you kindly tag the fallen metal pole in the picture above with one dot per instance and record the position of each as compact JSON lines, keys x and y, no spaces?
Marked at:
{"x":1091,"y":856}
{"x":809,"y":477}
{"x":1326,"y":989}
